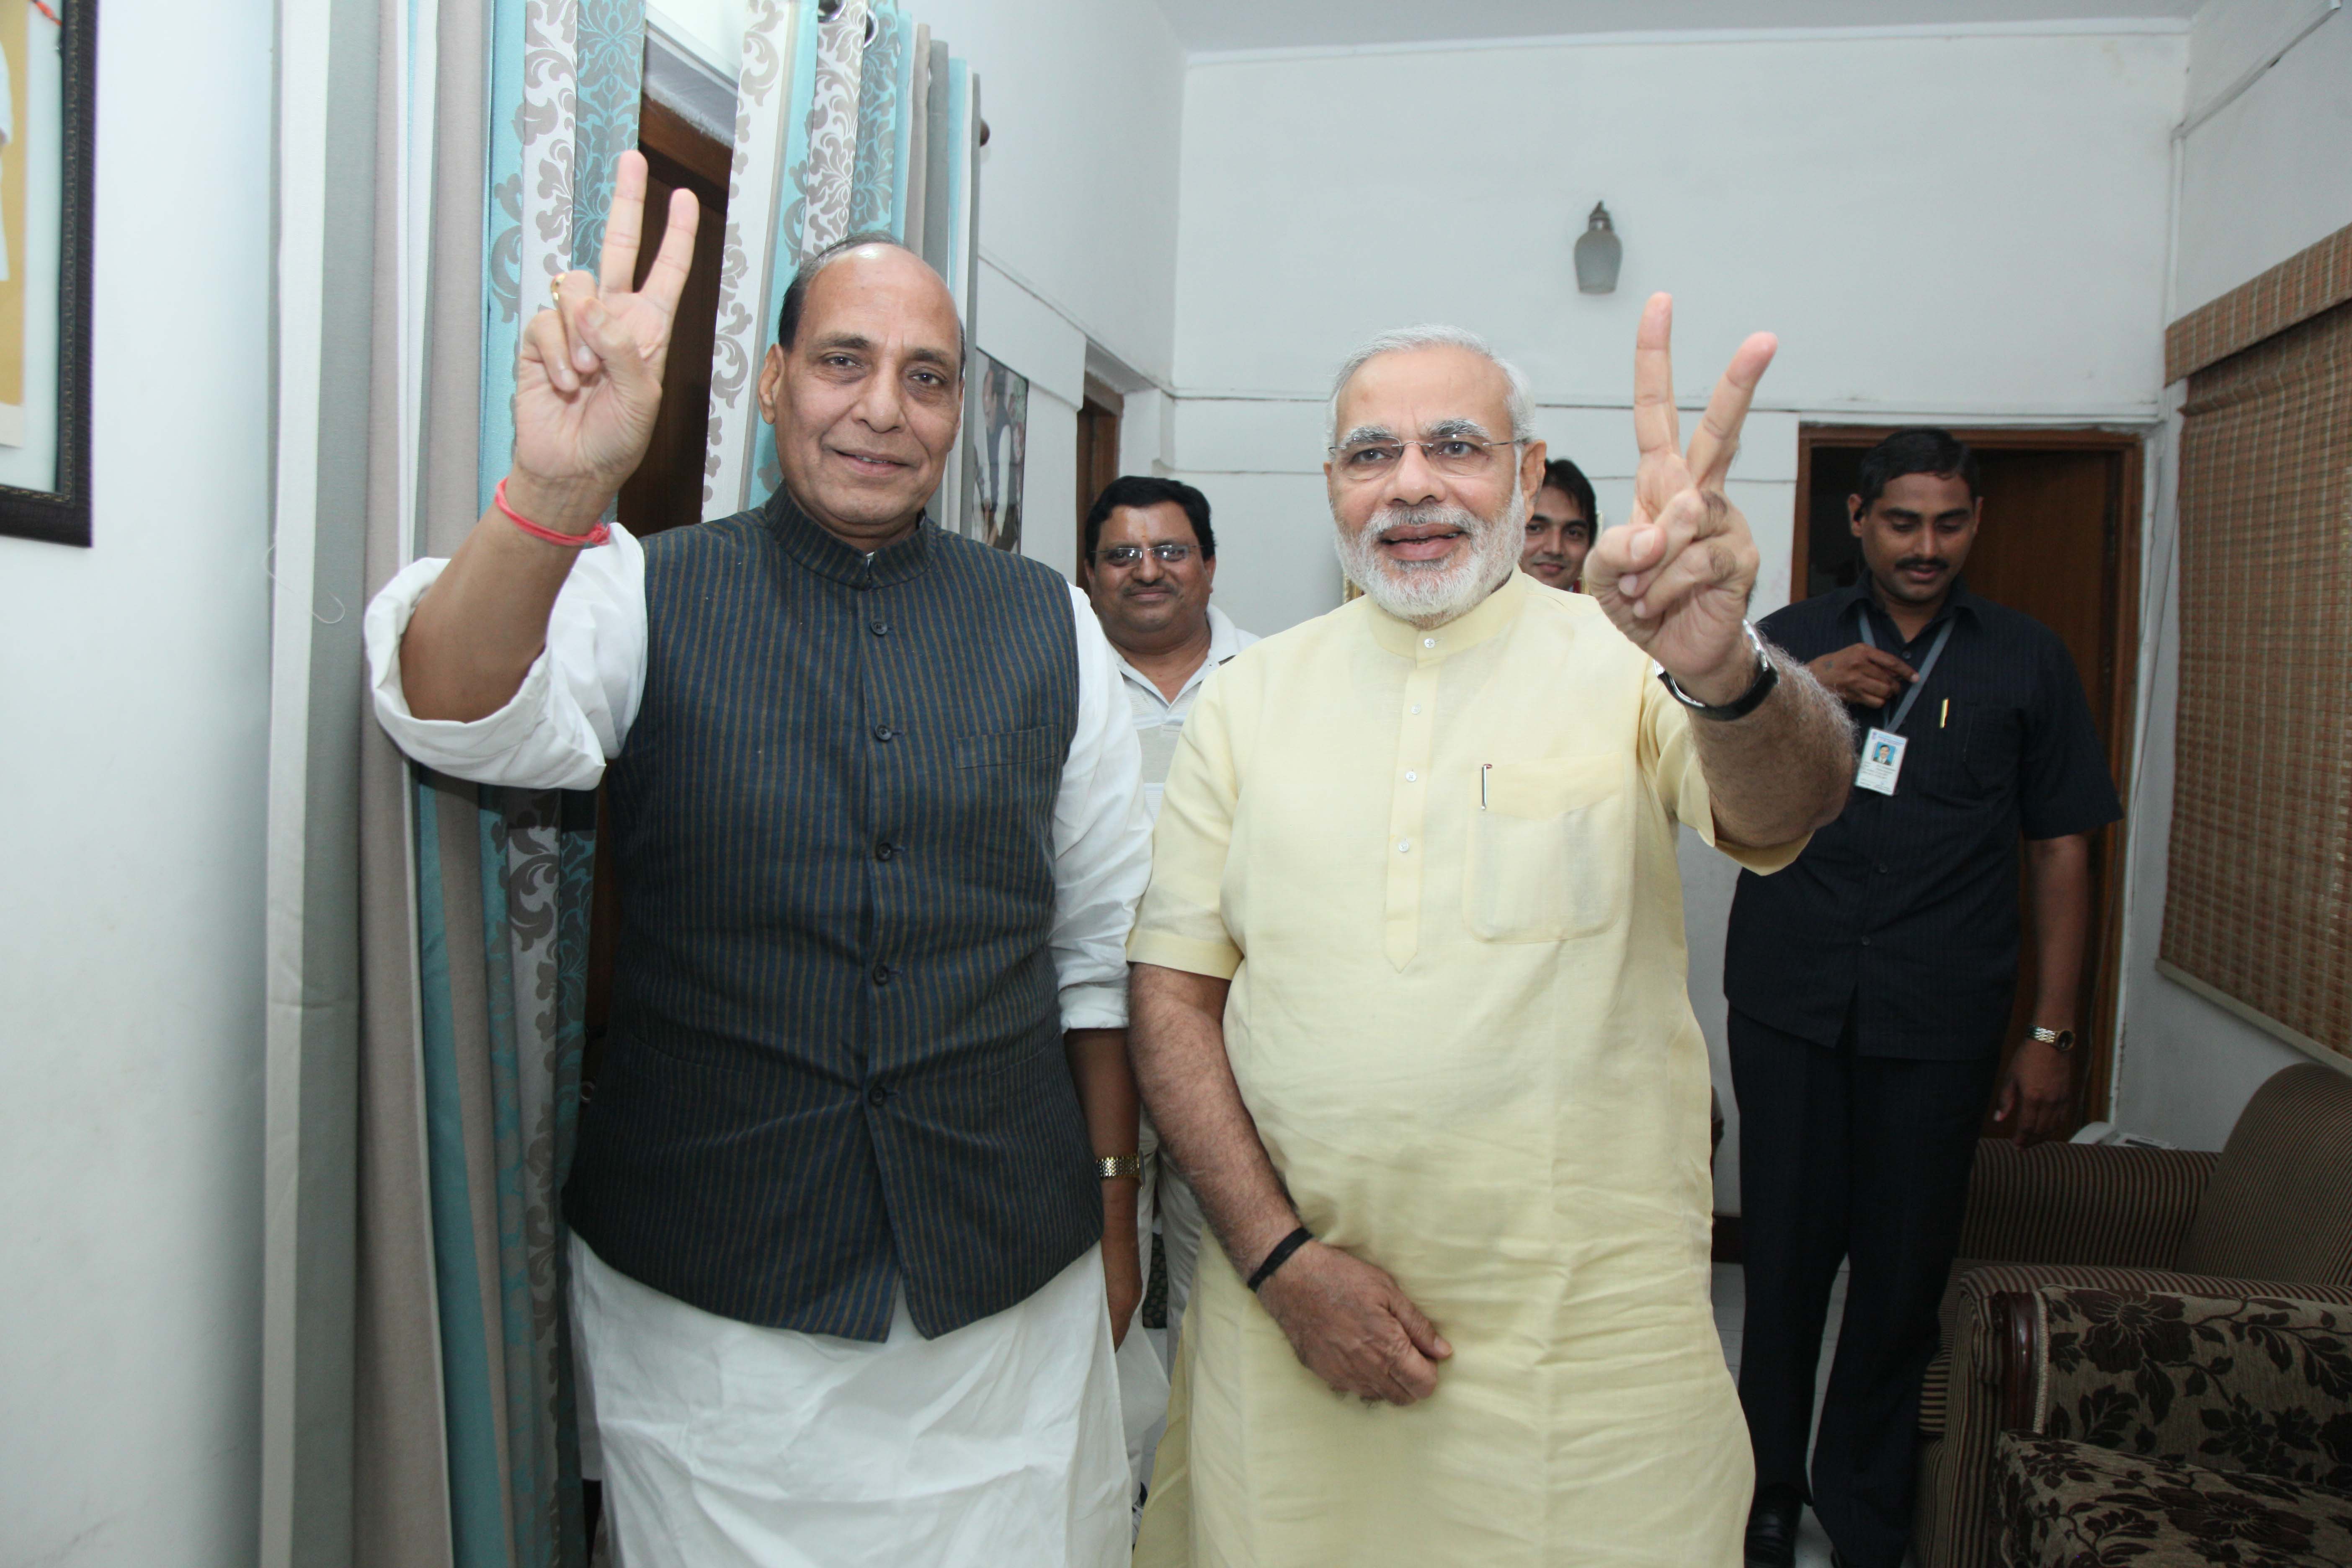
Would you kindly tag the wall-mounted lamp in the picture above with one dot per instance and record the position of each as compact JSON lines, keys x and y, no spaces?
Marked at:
{"x":1598,"y":252}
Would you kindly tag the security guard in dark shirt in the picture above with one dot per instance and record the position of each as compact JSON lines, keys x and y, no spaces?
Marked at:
{"x":1871,"y":981}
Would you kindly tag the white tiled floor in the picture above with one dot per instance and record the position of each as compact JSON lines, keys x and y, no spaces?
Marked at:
{"x":1730,"y":1305}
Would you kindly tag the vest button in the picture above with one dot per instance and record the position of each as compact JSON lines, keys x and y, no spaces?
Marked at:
{"x":881,"y":628}
{"x":884,"y":851}
{"x":879,"y":1094}
{"x":881,"y":974}
{"x":883,"y":731}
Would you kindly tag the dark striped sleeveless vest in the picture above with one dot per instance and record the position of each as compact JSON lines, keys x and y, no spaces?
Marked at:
{"x":835,"y":1060}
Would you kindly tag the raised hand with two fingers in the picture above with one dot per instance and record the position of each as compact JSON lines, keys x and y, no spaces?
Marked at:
{"x":1675,"y":577}
{"x":588,"y":378}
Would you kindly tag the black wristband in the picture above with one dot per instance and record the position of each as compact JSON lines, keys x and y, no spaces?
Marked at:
{"x":1280,"y":1254}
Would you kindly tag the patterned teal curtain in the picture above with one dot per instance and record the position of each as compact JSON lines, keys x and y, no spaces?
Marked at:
{"x":503,"y":875}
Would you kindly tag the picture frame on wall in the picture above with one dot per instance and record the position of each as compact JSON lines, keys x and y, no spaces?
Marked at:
{"x":47,"y":107}
{"x":996,"y":442}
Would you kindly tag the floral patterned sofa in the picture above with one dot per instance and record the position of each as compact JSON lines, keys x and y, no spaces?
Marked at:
{"x":2113,"y":1333}
{"x":2164,"y":1428}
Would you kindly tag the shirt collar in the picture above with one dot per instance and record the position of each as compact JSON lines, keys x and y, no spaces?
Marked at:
{"x":1481,"y":621}
{"x":806,"y":541}
{"x":1225,"y":641}
{"x":1856,"y":600}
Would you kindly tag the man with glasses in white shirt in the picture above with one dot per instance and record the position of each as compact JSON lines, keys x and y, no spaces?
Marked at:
{"x":1151,"y":560}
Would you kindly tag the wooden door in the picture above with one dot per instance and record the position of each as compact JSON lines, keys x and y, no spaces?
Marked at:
{"x":1098,"y":418}
{"x":667,"y":489}
{"x":2060,"y":541}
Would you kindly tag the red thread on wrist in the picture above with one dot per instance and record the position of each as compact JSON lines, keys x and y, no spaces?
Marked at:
{"x":593,"y":537}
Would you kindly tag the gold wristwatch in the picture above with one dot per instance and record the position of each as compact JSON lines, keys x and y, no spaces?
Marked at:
{"x":2063,"y":1039}
{"x":1110,"y":1167}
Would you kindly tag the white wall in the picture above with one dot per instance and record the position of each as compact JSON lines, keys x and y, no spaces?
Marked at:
{"x":2259,"y":180}
{"x":134,"y":700}
{"x":1961,"y":228}
{"x":2272,"y":173}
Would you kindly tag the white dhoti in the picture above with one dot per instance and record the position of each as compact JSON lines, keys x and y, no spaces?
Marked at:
{"x":726,"y":1445}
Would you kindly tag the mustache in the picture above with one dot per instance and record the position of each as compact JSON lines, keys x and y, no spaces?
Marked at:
{"x":1391,"y":517}
{"x":1920,"y":563}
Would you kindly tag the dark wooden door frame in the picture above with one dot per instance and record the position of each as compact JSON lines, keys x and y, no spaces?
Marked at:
{"x":1100,"y":411}
{"x":2128,"y":448}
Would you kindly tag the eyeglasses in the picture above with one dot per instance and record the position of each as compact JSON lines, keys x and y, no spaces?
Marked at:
{"x":1166,"y":553}
{"x":1457,"y":456}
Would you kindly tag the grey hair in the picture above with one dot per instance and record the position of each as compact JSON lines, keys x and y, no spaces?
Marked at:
{"x":1430,"y":335}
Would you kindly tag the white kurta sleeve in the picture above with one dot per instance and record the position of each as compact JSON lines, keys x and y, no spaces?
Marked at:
{"x":1102,"y":840}
{"x":574,"y":706}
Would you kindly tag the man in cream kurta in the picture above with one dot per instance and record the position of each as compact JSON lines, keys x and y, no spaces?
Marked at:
{"x":1416,"y":859}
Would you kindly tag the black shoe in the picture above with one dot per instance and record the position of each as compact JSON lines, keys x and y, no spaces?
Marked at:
{"x":1772,"y":1528}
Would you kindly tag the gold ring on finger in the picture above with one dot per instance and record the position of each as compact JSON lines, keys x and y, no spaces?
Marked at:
{"x":556,"y":290}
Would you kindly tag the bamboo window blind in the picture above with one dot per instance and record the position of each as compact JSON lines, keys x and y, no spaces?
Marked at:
{"x":2258,"y":907}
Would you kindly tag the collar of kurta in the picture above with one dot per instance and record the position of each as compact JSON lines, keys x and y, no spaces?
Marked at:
{"x":807,"y":542}
{"x":1423,"y":644}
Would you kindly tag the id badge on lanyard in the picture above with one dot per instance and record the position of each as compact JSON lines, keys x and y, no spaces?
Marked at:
{"x":1883,"y":749}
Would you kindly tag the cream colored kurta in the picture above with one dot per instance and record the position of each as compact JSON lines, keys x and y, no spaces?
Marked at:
{"x":1439,"y":869}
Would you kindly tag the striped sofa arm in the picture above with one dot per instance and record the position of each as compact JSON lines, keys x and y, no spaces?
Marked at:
{"x":2087,"y":1204}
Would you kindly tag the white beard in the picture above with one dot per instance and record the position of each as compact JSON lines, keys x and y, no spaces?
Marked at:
{"x":1432,"y":593}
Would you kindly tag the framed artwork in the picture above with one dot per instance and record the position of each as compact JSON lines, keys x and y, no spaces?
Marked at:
{"x":48,"y":103}
{"x":995,"y":445}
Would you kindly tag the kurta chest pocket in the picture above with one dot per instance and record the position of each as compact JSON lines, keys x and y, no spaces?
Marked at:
{"x":1551,"y":851}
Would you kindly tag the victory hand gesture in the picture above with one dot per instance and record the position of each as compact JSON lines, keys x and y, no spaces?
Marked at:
{"x":588,"y":378}
{"x":1675,"y":578}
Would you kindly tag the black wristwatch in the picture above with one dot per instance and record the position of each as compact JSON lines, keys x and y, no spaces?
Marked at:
{"x":1767,"y":676}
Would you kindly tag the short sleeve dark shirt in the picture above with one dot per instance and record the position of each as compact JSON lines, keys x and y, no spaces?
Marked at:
{"x":1905,"y":909}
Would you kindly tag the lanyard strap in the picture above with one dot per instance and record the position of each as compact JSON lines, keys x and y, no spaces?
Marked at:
{"x":1927,"y":668}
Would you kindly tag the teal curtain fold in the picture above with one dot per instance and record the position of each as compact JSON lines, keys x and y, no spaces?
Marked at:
{"x":609,"y":61}
{"x":503,"y":875}
{"x":503,"y":899}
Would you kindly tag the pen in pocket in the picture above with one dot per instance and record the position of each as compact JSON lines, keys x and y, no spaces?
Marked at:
{"x":1484,"y":768}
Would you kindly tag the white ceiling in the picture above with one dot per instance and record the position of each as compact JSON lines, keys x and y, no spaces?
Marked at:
{"x":1217,"y":26}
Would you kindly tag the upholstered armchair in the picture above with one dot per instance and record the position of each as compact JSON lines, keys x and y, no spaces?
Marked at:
{"x":2127,"y":1233}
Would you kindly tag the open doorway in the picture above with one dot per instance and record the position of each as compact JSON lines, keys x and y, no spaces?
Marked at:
{"x":2060,"y":541}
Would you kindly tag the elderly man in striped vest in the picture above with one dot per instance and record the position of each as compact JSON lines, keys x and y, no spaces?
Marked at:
{"x":852,"y":1209}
